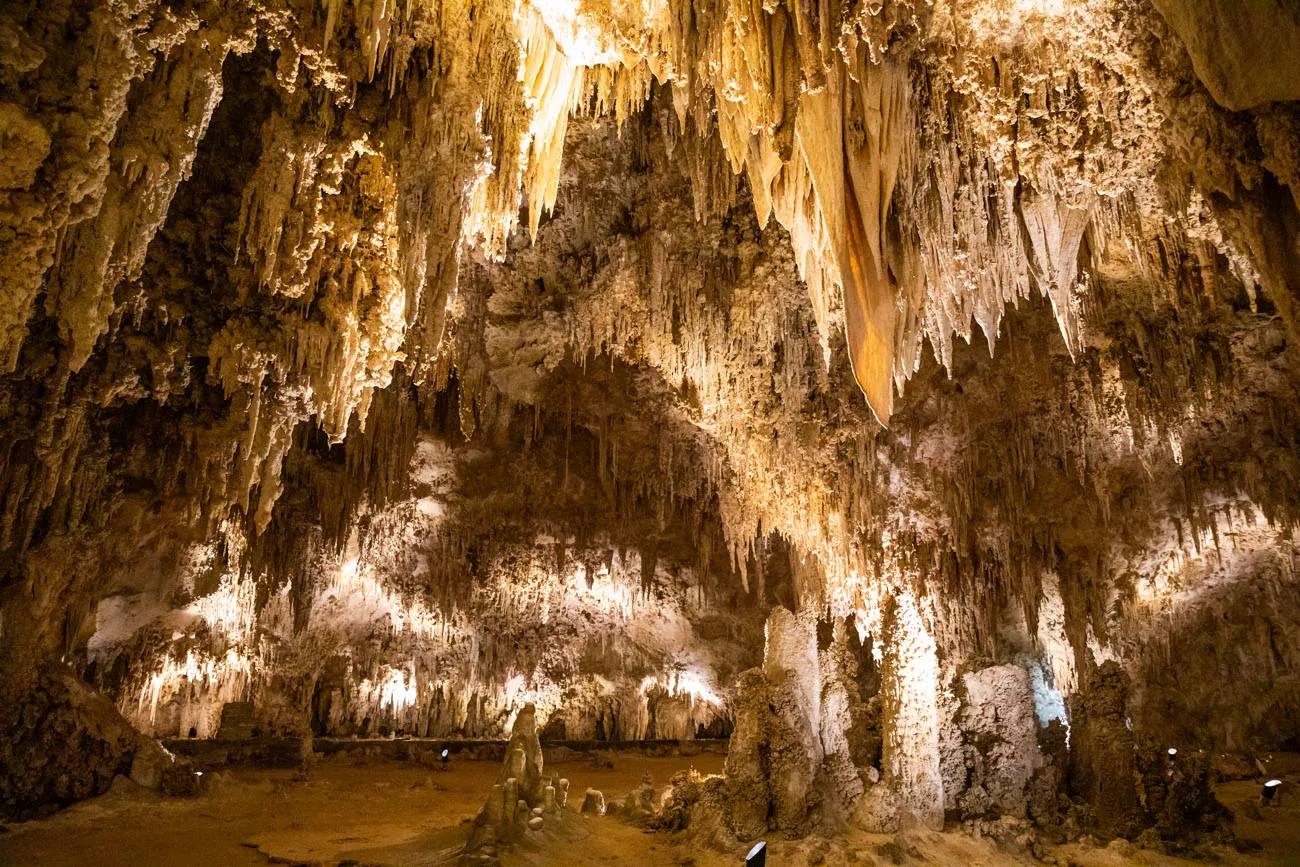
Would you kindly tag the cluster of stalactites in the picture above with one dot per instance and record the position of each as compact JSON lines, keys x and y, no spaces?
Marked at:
{"x":331,"y":299}
{"x":816,"y":126}
{"x":924,"y":191}
{"x":921,"y":191}
{"x":894,"y":173}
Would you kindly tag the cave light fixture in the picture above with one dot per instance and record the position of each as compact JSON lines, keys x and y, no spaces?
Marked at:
{"x":1268,"y":795}
{"x":757,"y":856}
{"x":1173,"y":751}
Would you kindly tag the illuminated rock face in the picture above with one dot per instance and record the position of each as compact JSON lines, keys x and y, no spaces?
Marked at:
{"x":395,"y":366}
{"x":1244,"y":53}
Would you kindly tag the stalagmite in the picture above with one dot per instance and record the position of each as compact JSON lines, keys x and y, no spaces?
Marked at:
{"x":910,"y":686}
{"x":517,"y":790}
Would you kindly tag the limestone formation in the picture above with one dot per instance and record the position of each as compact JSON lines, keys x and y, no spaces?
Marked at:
{"x":906,"y":390}
{"x":516,"y":792}
{"x":1102,"y":762}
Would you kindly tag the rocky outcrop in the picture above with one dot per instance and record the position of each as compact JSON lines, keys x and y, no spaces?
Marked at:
{"x":66,"y":743}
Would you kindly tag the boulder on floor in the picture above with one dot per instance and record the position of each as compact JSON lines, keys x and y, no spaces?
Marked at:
{"x":66,"y":742}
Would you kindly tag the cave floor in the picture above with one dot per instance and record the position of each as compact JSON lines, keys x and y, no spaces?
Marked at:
{"x":390,"y":814}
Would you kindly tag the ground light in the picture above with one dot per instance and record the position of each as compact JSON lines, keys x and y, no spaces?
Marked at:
{"x":1270,"y":791}
{"x":1172,"y":752}
{"x":757,"y":856}
{"x":444,"y":760}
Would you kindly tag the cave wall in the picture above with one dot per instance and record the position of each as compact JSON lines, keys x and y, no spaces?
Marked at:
{"x":490,"y":584}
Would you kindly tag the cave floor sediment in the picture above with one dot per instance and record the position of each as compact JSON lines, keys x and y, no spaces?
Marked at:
{"x":400,"y":815}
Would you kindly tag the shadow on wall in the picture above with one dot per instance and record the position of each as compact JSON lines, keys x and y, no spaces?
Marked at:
{"x":1226,"y":674}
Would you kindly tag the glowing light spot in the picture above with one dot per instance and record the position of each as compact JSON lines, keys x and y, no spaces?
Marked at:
{"x":395,"y":692}
{"x":684,"y":682}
